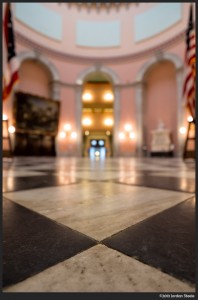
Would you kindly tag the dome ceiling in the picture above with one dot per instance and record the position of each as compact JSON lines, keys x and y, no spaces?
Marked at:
{"x":99,"y":30}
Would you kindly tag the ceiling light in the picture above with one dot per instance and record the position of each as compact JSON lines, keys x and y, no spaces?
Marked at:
{"x":108,"y":96}
{"x":87,"y":96}
{"x":108,"y":122}
{"x":86,"y":121}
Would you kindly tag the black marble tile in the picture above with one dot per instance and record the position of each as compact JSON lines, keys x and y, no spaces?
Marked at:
{"x":11,"y":184}
{"x":160,"y":182}
{"x":49,"y":171}
{"x":32,"y":243}
{"x":165,"y":241}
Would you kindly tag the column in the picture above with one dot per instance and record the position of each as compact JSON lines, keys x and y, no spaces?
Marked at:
{"x":78,"y":90}
{"x":180,"y":111}
{"x":55,"y":90}
{"x":116,"y":120}
{"x":139,"y":116}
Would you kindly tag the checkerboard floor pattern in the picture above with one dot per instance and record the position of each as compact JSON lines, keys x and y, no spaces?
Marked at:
{"x":113,"y":225}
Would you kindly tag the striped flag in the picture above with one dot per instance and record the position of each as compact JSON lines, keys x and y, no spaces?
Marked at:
{"x":189,"y":82}
{"x":10,"y":74}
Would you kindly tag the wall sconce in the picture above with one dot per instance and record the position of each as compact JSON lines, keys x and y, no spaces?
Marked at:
{"x":128,"y":127}
{"x":131,"y":135}
{"x":73,"y":135}
{"x":66,"y":132}
{"x":121,"y":135}
{"x":62,"y":134}
{"x":11,"y":129}
{"x":190,"y":119}
{"x":128,"y":134}
{"x":4,"y":117}
{"x":67,"y":127}
{"x":182,"y":130}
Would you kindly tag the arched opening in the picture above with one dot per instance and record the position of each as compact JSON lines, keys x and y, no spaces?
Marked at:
{"x":43,"y":65}
{"x":36,"y":114}
{"x":34,"y":76}
{"x":175,"y":64}
{"x":97,"y":115}
{"x":160,"y":109}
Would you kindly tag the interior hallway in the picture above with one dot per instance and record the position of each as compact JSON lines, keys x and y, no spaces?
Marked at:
{"x":113,"y":225}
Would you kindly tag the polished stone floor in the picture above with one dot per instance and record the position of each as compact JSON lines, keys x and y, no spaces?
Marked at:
{"x":113,"y":225}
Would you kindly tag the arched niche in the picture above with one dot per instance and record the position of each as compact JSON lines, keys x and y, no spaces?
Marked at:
{"x":140,"y":85}
{"x":54,"y":84}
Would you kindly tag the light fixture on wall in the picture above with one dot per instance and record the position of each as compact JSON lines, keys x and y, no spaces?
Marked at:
{"x":128,"y":127}
{"x":73,"y":135}
{"x":128,"y":133}
{"x":67,"y":133}
{"x":190,"y":119}
{"x":67,"y":127}
{"x":11,"y":129}
{"x":182,"y":130}
{"x":4,"y":117}
{"x":62,"y":134}
{"x":131,"y":135}
{"x":121,"y":135}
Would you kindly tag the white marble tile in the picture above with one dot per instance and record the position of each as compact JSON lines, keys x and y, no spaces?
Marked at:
{"x":101,"y":269}
{"x":98,"y":209}
{"x":97,"y":175}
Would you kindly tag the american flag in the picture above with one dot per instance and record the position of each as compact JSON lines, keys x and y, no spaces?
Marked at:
{"x":10,"y":74}
{"x":190,"y":72}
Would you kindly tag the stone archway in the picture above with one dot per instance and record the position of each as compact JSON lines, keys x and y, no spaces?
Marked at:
{"x":139,"y":84}
{"x":114,"y":79}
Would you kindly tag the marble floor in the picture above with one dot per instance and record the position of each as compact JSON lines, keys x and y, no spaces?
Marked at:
{"x":113,"y":225}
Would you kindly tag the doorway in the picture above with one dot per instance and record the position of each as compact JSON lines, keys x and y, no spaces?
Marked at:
{"x":97,"y":116}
